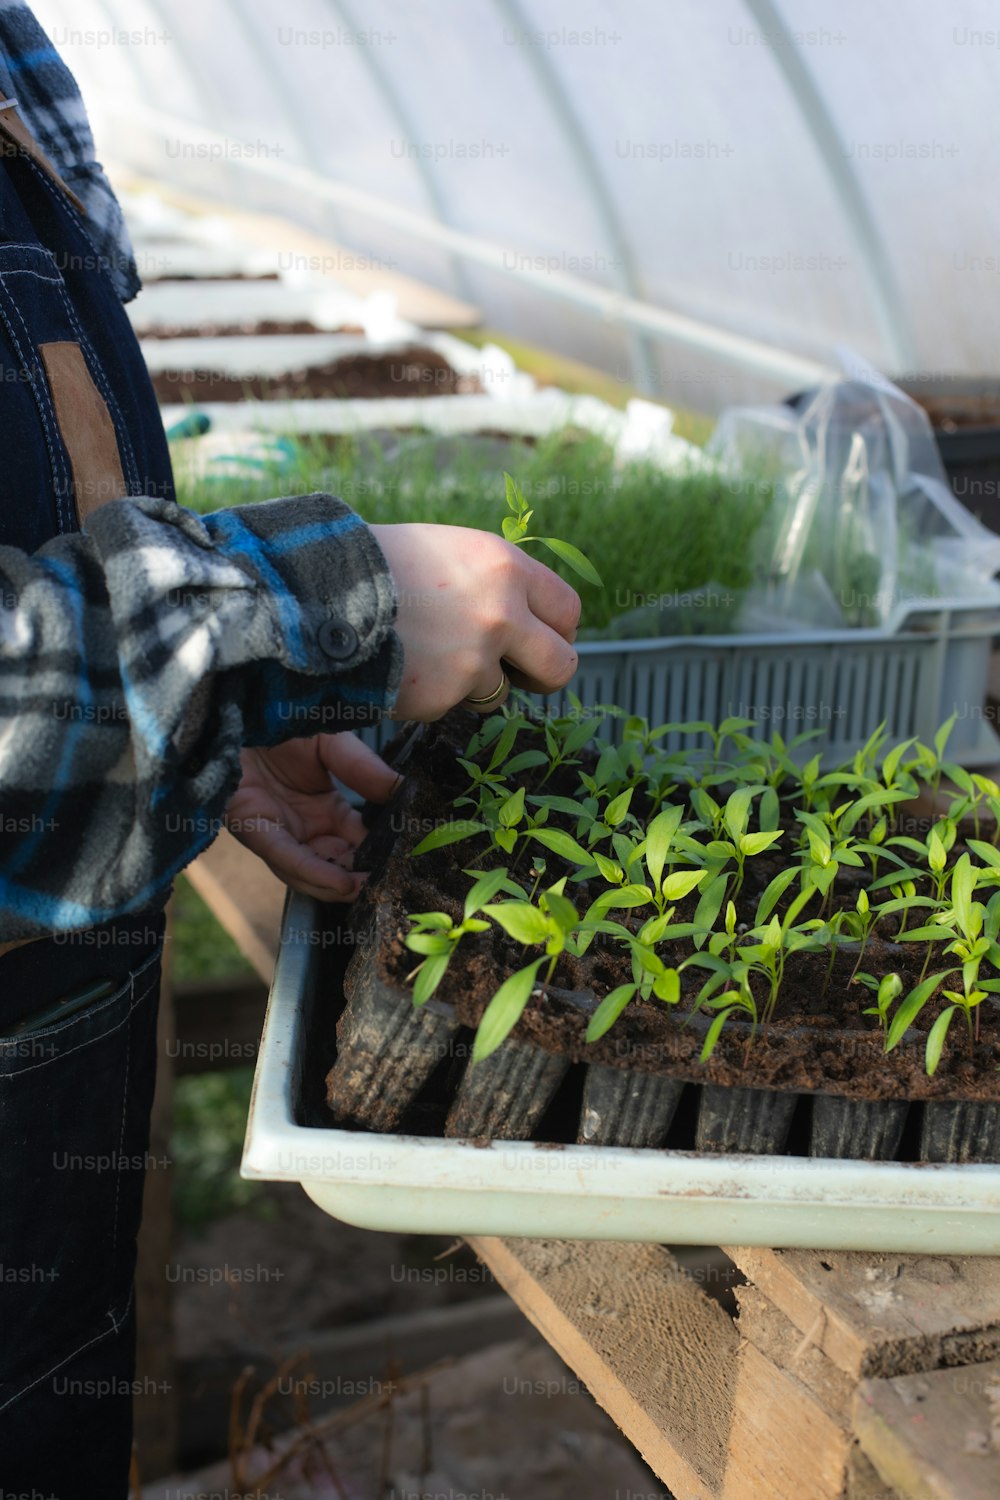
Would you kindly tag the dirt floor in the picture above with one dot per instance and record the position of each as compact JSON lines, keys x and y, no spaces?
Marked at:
{"x":275,"y":1275}
{"x":507,"y":1423}
{"x":367,"y":1314}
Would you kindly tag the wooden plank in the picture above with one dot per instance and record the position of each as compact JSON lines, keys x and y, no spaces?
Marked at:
{"x":782,"y":1443}
{"x":766,"y":1326}
{"x":936,"y":1435}
{"x":884,"y":1315}
{"x":244,"y":896}
{"x":791,"y":1432}
{"x":651,"y":1348}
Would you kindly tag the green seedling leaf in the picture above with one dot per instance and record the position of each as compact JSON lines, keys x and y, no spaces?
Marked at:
{"x":712,"y":895}
{"x":609,"y":1010}
{"x":647,"y":960}
{"x":512,"y":494}
{"x":889,"y":989}
{"x":772,"y":895}
{"x":737,"y":813}
{"x":680,"y":883}
{"x":756,"y":843}
{"x":504,"y":1011}
{"x":935,"y":1038}
{"x":573,"y":558}
{"x":612,"y":873}
{"x":522,"y":921}
{"x":562,"y":844}
{"x":626,"y":896}
{"x":483,"y":891}
{"x":668,"y":987}
{"x":504,"y":745}
{"x":561,"y":910}
{"x":427,"y":942}
{"x":911,"y":1007}
{"x":937,"y":855}
{"x":512,"y":811}
{"x":429,"y":976}
{"x":943,"y":736}
{"x":712,"y":1035}
{"x":432,"y":919}
{"x":893,"y":758}
{"x":821,"y":877}
{"x":704,"y":805}
{"x":653,"y":931}
{"x":963,"y":883}
{"x":928,"y":934}
{"x":616,"y":811}
{"x":510,"y":886}
{"x":449,"y":833}
{"x":988,"y":853}
{"x":769,"y":811}
{"x":525,"y":760}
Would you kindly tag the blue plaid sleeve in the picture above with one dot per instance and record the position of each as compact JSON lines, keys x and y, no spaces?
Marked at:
{"x":50,"y":104}
{"x":139,"y":657}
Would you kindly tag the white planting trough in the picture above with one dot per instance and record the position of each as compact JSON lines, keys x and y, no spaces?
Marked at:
{"x":414,"y":1184}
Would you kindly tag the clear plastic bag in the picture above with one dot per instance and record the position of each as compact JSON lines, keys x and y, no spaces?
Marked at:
{"x":863,"y":523}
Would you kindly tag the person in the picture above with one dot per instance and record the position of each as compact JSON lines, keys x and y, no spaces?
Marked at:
{"x":160,"y":674}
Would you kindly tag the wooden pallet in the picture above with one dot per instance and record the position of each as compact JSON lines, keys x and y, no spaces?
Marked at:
{"x":844,"y":1376}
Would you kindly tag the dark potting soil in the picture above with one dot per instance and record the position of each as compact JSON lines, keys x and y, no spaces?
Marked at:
{"x":241,"y":330}
{"x":409,"y":372}
{"x":818,"y":1042}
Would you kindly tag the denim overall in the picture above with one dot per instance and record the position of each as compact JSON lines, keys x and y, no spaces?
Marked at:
{"x":75,"y":1094}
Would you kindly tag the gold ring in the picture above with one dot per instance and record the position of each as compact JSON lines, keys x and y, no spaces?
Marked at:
{"x":491,"y":697}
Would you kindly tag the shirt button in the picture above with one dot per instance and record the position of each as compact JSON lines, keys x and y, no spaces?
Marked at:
{"x":338,"y":640}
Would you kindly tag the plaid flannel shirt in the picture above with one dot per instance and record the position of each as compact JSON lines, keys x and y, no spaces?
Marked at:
{"x":137,"y":658}
{"x":49,"y":102}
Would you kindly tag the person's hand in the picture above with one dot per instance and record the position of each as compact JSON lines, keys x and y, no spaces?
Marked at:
{"x":287,"y":810}
{"x":473,"y":611}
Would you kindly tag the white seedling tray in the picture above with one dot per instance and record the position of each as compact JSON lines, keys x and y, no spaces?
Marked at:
{"x":412,"y":1184}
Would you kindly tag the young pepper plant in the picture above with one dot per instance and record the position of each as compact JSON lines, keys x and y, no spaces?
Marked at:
{"x":515,"y":529}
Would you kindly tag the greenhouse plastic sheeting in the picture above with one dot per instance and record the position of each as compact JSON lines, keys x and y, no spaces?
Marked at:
{"x":667,"y":190}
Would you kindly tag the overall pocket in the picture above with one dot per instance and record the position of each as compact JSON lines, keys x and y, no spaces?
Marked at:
{"x":62,"y":442}
{"x":75,"y":1099}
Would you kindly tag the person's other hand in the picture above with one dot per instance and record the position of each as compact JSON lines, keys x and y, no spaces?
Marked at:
{"x":472,"y":607}
{"x":288,"y":811}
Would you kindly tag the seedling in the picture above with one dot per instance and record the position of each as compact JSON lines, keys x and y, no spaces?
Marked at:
{"x":515,"y":529}
{"x":675,"y":862}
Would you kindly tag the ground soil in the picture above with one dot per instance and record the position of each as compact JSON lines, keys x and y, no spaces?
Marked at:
{"x":410,"y":372}
{"x":819,"y":1040}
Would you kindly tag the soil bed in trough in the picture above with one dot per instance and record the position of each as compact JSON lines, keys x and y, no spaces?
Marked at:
{"x":402,"y":372}
{"x":250,"y":327}
{"x":815,"y":1080}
